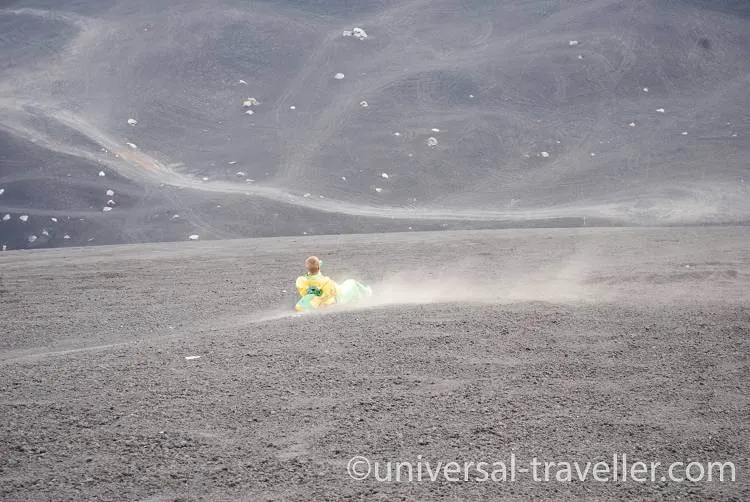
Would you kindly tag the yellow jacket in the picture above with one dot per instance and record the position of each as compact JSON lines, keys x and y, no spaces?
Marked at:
{"x":322,"y":286}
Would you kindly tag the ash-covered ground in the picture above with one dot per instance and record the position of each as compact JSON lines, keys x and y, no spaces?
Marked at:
{"x":151,"y":121}
{"x":178,"y":372}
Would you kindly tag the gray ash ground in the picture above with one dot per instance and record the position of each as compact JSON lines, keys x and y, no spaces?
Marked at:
{"x":629,"y":113}
{"x":561,"y":344}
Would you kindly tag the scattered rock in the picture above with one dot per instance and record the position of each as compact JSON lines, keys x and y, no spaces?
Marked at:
{"x":384,"y":175}
{"x":110,"y":193}
{"x":191,"y":358}
{"x":32,"y":238}
{"x":358,"y":33}
{"x":545,"y":155}
{"x":132,"y":122}
{"x":54,"y":220}
{"x":241,"y":173}
{"x":343,"y":178}
{"x":397,"y":134}
{"x":102,"y":174}
{"x":573,"y":43}
{"x":132,"y":146}
{"x":645,"y":89}
{"x":684,"y":133}
{"x":632,"y":124}
{"x":292,"y":107}
{"x":432,"y":141}
{"x":435,"y":129}
{"x":250,"y":102}
{"x":110,"y":202}
{"x":363,"y":104}
{"x":339,"y":76}
{"x":243,"y":82}
{"x":66,"y":237}
{"x":194,"y":237}
{"x":45,"y":232}
{"x":6,"y":217}
{"x":306,"y":195}
{"x":2,"y":191}
{"x":24,"y":218}
{"x":249,"y":112}
{"x":378,"y":189}
{"x":660,"y":110}
{"x":106,"y":209}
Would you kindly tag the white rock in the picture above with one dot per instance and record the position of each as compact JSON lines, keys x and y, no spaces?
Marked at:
{"x":684,"y":133}
{"x":645,"y":89}
{"x":194,"y":237}
{"x":250,"y":102}
{"x":660,"y":110}
{"x":573,"y":43}
{"x":435,"y":129}
{"x":66,"y":237}
{"x":205,"y":178}
{"x":397,"y":134}
{"x":232,"y":162}
{"x":44,"y":232}
{"x":6,"y":217}
{"x":191,"y":358}
{"x":5,"y":247}
{"x":343,"y":178}
{"x":32,"y":238}
{"x":110,"y":202}
{"x":132,"y":145}
{"x":378,"y":189}
{"x":54,"y":220}
{"x":306,"y":195}
{"x":358,"y":33}
{"x":24,"y":218}
{"x":734,"y":135}
{"x":471,"y":96}
{"x":363,"y":104}
{"x":2,"y":191}
{"x":592,"y":154}
{"x":175,"y":216}
{"x":106,"y":209}
{"x":545,"y":155}
{"x":632,"y":124}
{"x":432,"y":141}
{"x":339,"y":76}
{"x":580,"y":56}
{"x":322,"y":196}
{"x":102,"y":174}
{"x":241,"y":173}
{"x":292,"y":107}
{"x":249,"y":180}
{"x":243,"y":82}
{"x":249,"y":112}
{"x":110,"y":193}
{"x":132,"y":122}
{"x":384,"y":175}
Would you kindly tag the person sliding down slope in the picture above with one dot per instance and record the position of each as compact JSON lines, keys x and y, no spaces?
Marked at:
{"x":317,"y":290}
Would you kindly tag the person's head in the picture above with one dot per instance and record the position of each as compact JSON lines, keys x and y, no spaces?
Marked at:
{"x":312,"y":264}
